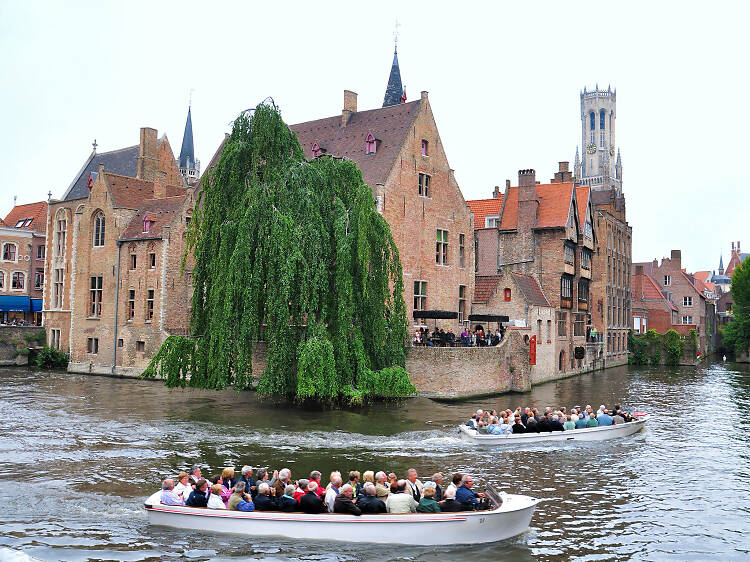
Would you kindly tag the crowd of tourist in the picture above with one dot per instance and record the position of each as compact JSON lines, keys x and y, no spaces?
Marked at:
{"x":368,"y":493}
{"x":466,"y":338}
{"x":530,"y":420}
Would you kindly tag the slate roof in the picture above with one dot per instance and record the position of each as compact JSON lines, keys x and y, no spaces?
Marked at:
{"x":187,"y":152}
{"x":484,"y":285}
{"x":389,"y":125}
{"x":395,"y":89}
{"x":123,"y":162}
{"x":160,"y":211}
{"x":530,"y":289}
{"x":484,"y":207}
{"x":37,"y":212}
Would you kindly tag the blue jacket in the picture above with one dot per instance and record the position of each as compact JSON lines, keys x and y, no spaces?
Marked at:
{"x":245,"y":506}
{"x":604,"y":419}
{"x":464,"y":495}
{"x":249,"y":483}
{"x":288,"y":504}
{"x":197,"y":499}
{"x":265,"y":503}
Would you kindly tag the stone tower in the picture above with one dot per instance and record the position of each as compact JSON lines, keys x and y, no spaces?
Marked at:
{"x":600,"y":165}
{"x":190,"y":168}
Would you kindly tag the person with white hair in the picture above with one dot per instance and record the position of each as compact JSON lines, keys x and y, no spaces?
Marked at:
{"x":264,"y":501}
{"x":382,"y":488}
{"x":168,"y":495}
{"x":247,"y":478}
{"x":287,"y":502}
{"x":333,"y":491}
{"x":283,"y":480}
{"x":368,"y":502}
{"x":310,"y":502}
{"x":449,"y":504}
{"x":344,"y":503}
{"x":402,"y":501}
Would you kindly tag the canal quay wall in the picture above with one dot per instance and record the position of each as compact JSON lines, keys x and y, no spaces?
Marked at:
{"x":16,"y":343}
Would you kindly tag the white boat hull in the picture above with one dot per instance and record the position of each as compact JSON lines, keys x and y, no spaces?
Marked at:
{"x":587,"y":434}
{"x":467,"y":527}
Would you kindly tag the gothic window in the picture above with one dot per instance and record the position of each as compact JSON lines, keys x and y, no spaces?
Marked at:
{"x":61,"y":226}
{"x":602,"y":119}
{"x":370,"y":144}
{"x":315,"y":149}
{"x":592,"y":120}
{"x":99,"y":229}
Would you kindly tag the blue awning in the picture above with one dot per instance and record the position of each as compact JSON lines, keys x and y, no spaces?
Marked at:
{"x":14,"y":303}
{"x":36,"y":305}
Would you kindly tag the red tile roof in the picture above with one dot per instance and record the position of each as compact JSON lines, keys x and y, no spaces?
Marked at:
{"x":389,"y":125}
{"x":702,"y":275}
{"x":652,"y":291}
{"x":531,"y":291}
{"x":37,"y":212}
{"x":484,"y":286}
{"x":582,"y":198}
{"x":484,"y":207}
{"x":698,"y":289}
{"x":554,"y":204}
{"x":159,"y":211}
{"x":510,"y":213}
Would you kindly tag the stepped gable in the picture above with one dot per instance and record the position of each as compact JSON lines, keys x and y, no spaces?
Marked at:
{"x":159,"y":211}
{"x":531,"y":290}
{"x":481,"y":208}
{"x":37,"y":212}
{"x":123,"y":161}
{"x":484,"y":286}
{"x":389,"y":125}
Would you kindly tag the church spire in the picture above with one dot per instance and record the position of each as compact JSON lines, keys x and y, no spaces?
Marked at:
{"x":721,"y":264}
{"x":189,"y":166}
{"x":395,"y":90}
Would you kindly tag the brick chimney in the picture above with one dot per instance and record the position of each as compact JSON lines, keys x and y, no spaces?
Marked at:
{"x":677,"y":258}
{"x":527,"y":201}
{"x":350,"y":106}
{"x":563,"y":174}
{"x":638,"y":282}
{"x":147,"y":161}
{"x":160,"y":185}
{"x":496,"y":193}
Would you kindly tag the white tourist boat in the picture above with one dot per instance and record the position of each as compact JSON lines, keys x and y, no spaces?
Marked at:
{"x":511,"y":517}
{"x":588,"y":434}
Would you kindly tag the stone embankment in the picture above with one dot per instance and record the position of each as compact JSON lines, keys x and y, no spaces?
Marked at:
{"x":16,"y":343}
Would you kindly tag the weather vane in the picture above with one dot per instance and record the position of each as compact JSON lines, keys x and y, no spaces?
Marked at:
{"x":395,"y":32}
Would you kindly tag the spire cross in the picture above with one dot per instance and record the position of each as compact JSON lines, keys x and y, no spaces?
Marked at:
{"x":94,"y":145}
{"x":395,"y":34}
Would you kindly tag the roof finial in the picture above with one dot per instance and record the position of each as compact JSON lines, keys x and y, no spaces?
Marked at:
{"x":94,"y":145}
{"x":395,"y":36}
{"x":190,"y":97}
{"x":49,"y":196}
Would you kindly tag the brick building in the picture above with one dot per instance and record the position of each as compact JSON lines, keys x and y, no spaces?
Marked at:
{"x":114,"y":288}
{"x":652,"y":310}
{"x":399,"y":151}
{"x":545,"y":232}
{"x":22,"y":246}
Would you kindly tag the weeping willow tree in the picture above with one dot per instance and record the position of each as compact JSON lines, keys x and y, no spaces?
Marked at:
{"x":292,"y":252}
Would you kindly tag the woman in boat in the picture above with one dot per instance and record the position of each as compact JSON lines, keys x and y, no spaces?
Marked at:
{"x":427,"y":503}
{"x":214,"y":500}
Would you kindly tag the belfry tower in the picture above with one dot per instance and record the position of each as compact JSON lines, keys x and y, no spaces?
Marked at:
{"x":601,"y":165}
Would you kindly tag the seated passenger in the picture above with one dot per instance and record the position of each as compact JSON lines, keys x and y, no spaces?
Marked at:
{"x":464,"y":494}
{"x":354,"y":477}
{"x":168,"y":495}
{"x":382,"y":488}
{"x":195,"y":474}
{"x":543,"y":424}
{"x":604,"y":418}
{"x":238,"y":495}
{"x":455,"y":483}
{"x":315,"y":476}
{"x":227,"y":479}
{"x":555,"y":425}
{"x":214,"y":500}
{"x":531,"y":425}
{"x":301,"y":489}
{"x":580,"y":423}
{"x":437,"y":478}
{"x":593,"y":422}
{"x":368,"y":501}
{"x":247,"y":478}
{"x":343,"y":502}
{"x":183,"y":487}
{"x":617,"y":418}
{"x":264,"y":501}
{"x":427,"y":503}
{"x":518,"y":427}
{"x":283,"y":480}
{"x":571,"y":423}
{"x":333,"y":491}
{"x":401,"y":502}
{"x":198,"y":496}
{"x":225,"y":492}
{"x":450,"y":504}
{"x":310,"y":502}
{"x":287,"y":502}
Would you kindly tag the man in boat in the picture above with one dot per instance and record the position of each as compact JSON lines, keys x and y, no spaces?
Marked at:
{"x":401,"y":501}
{"x":333,"y":491}
{"x":518,"y":427}
{"x":437,"y":478}
{"x":414,"y":484}
{"x":195,"y":474}
{"x":287,"y":502}
{"x":310,"y":502}
{"x":198,"y":497}
{"x":283,"y":480}
{"x":264,"y":501}
{"x":618,"y":418}
{"x":369,"y":503}
{"x":382,"y":488}
{"x":168,"y":495}
{"x":464,"y":494}
{"x":240,"y":500}
{"x":604,"y":418}
{"x":449,"y":504}
{"x":555,"y":425}
{"x":247,"y":478}
{"x":343,"y":502}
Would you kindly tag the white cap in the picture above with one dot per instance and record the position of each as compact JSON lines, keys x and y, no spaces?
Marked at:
{"x":480,"y":412}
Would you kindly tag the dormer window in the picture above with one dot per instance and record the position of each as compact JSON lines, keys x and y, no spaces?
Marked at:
{"x":425,"y":147}
{"x":147,"y":223}
{"x":315,"y":149}
{"x":370,"y":144}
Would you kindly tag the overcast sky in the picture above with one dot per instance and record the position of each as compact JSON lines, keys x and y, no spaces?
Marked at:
{"x":503,"y":80}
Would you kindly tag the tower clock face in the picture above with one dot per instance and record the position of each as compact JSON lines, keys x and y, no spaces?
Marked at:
{"x":611,"y":150}
{"x":591,"y":148}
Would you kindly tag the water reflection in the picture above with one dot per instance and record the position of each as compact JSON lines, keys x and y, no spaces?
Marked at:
{"x":80,"y":453}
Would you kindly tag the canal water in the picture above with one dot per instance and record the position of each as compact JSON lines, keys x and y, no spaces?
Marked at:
{"x":78,"y":454}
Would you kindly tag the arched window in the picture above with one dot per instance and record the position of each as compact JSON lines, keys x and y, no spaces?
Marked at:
{"x":315,"y":149}
{"x":18,"y":280}
{"x":147,"y":222}
{"x":602,"y":118}
{"x":9,"y":252}
{"x":2,"y":280}
{"x":561,"y":361}
{"x":99,"y":229}
{"x":592,"y":120}
{"x":61,"y":227}
{"x":370,"y":144}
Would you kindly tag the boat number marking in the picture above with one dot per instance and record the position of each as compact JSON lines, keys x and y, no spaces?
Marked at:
{"x":481,"y":520}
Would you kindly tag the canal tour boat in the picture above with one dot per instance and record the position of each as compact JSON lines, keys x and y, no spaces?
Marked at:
{"x":510,"y":516}
{"x":556,"y":437}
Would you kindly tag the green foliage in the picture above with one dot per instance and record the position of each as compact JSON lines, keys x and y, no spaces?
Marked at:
{"x":293,"y":252}
{"x":691,"y":342}
{"x":36,"y":336}
{"x":672,"y":347}
{"x":736,"y":335}
{"x":638,"y":348}
{"x":23,"y":351}
{"x":51,"y":358}
{"x":173,"y":362}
